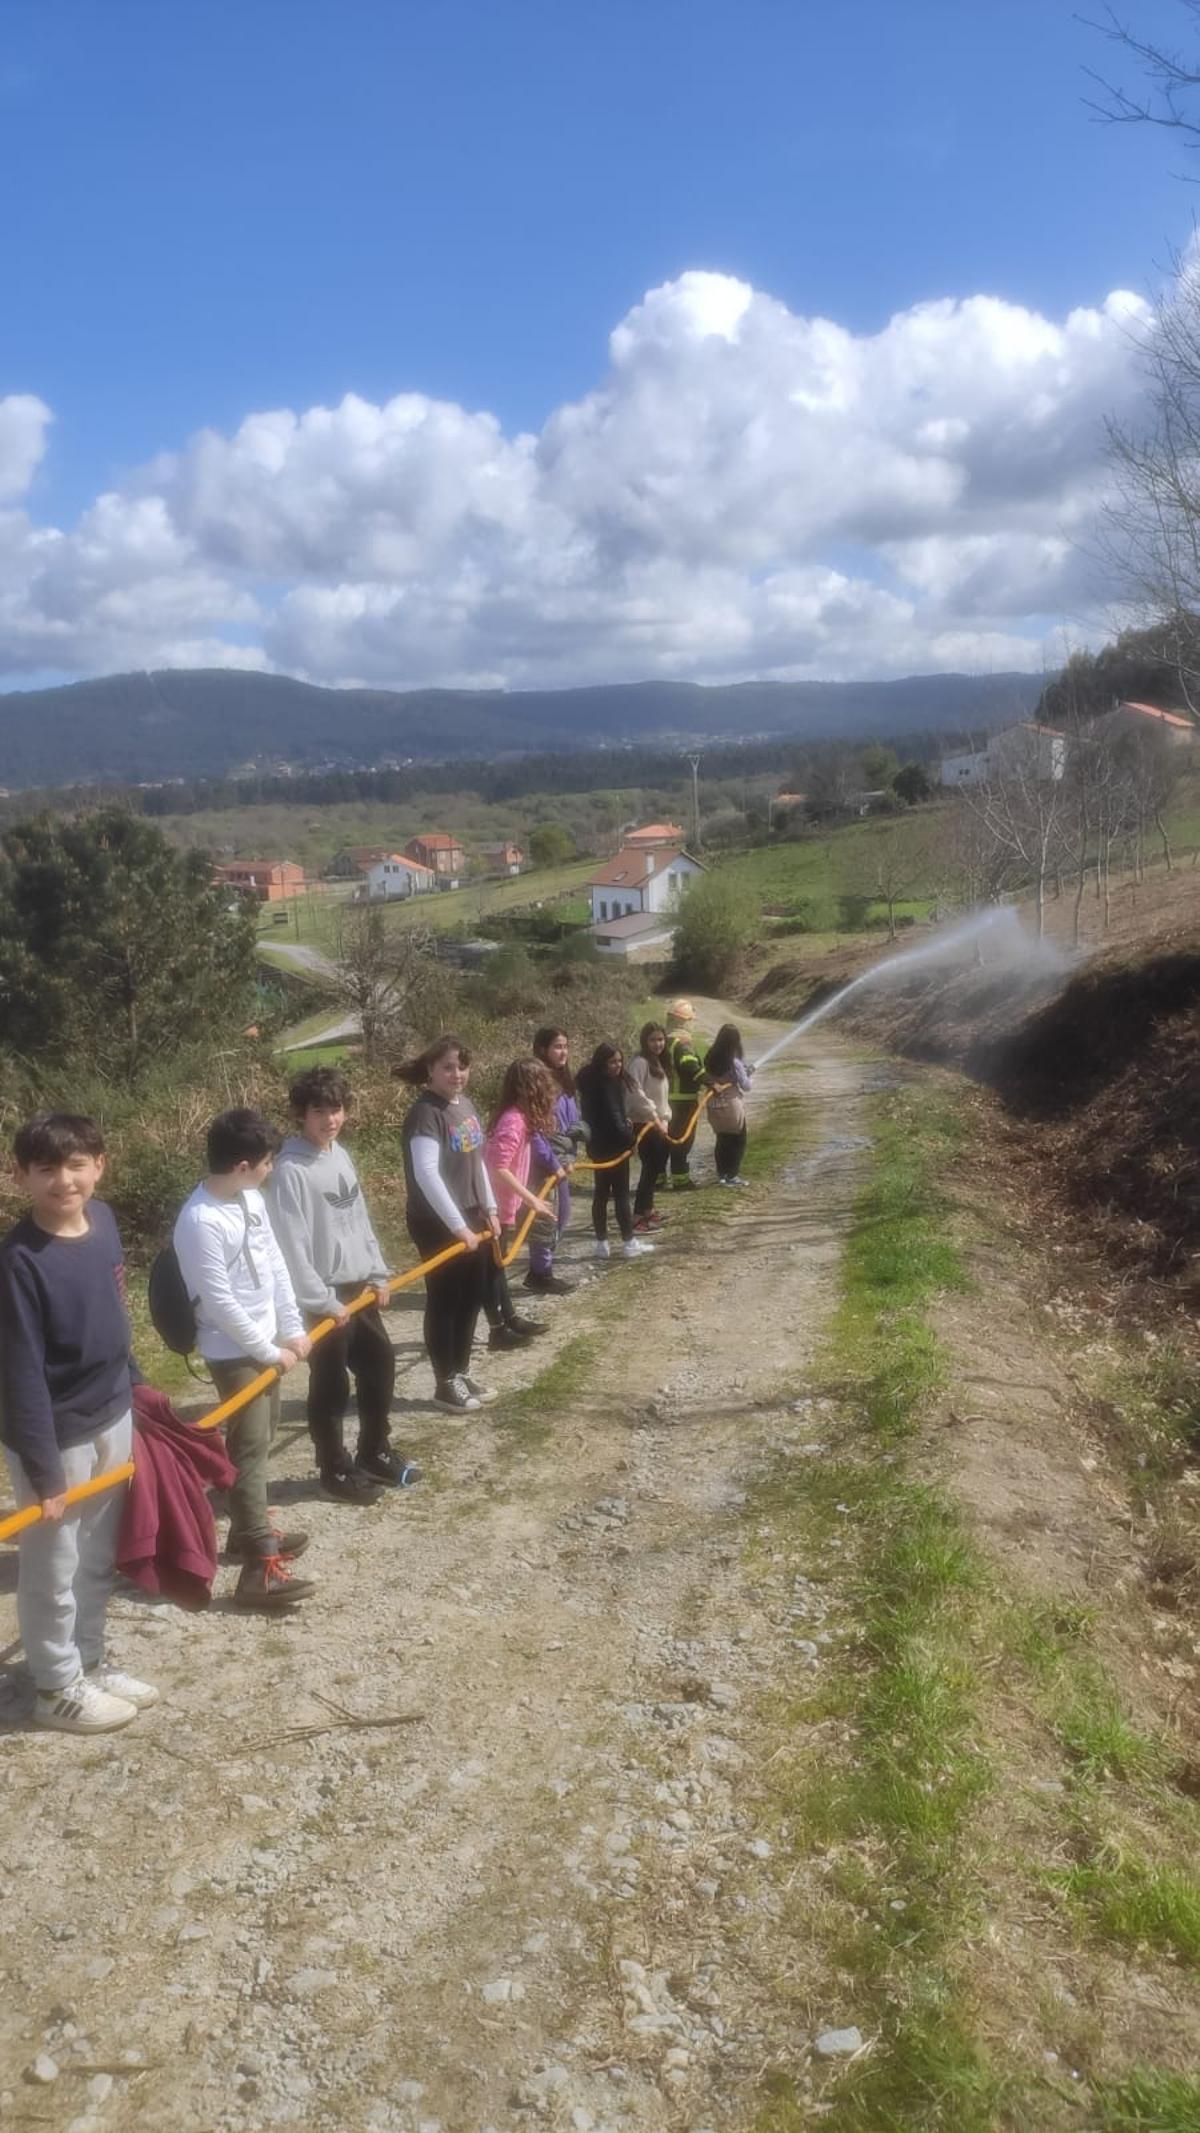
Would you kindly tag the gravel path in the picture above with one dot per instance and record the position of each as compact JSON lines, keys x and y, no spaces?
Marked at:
{"x":527,"y":1887}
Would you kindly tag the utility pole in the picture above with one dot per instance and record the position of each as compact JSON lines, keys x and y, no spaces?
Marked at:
{"x":694,"y":760}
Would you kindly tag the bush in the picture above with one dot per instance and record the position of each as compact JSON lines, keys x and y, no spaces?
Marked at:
{"x":718,"y":925}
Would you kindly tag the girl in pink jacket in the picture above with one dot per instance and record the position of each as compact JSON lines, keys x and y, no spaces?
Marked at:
{"x":526,"y":1108}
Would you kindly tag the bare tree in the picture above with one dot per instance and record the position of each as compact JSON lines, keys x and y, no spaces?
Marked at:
{"x":1171,"y":78}
{"x":968,"y":867}
{"x":1022,"y":809}
{"x":386,"y":977}
{"x":891,"y":863}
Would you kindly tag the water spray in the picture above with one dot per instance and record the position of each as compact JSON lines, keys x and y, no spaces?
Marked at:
{"x":1001,"y":927}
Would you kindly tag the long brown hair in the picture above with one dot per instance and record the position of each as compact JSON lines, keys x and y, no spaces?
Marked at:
{"x":542,"y":1040}
{"x":656,"y":1061}
{"x":529,"y":1087}
{"x":416,"y":1071}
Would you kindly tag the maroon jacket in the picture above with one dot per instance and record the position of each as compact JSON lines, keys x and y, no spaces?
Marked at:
{"x":168,"y":1541}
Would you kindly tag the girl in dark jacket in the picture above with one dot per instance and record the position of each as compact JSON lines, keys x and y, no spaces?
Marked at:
{"x":602,"y":1087}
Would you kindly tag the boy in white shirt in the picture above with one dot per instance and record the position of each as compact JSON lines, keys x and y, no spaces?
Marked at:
{"x":247,"y":1320}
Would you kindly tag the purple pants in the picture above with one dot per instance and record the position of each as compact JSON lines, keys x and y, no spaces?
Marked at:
{"x":542,"y":1242}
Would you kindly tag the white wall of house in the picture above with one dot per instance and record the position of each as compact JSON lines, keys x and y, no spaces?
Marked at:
{"x":1029,"y":750}
{"x":969,"y":769}
{"x":390,"y":879}
{"x":658,"y":887}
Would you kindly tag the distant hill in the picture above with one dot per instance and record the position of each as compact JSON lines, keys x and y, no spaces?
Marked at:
{"x":136,"y":728}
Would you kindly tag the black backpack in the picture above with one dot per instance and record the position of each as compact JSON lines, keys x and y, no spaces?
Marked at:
{"x":172,"y":1309}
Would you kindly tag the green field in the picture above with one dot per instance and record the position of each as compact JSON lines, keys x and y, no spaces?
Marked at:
{"x":312,"y":919}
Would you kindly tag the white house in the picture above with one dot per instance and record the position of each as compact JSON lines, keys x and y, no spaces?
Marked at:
{"x":968,"y":769}
{"x":395,"y":876}
{"x":648,"y":880}
{"x":1028,"y":749}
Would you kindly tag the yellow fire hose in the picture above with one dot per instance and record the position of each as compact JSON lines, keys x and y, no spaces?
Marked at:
{"x":19,"y":1520}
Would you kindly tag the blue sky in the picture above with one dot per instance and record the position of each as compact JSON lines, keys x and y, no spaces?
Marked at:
{"x":222,"y":207}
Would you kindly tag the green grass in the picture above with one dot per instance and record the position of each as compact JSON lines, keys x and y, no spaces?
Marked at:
{"x":1136,"y":1901}
{"x":527,"y":1415}
{"x":315,"y":917}
{"x":311,"y":1026}
{"x":1148,"y":2102}
{"x":893,"y":1813}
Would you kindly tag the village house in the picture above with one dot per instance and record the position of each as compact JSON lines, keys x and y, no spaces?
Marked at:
{"x":1029,"y":749}
{"x":634,"y":897}
{"x":388,"y":879}
{"x":354,"y":861}
{"x":506,"y":858}
{"x":1176,"y":728}
{"x":443,"y":855}
{"x":654,"y":835}
{"x":264,"y":881}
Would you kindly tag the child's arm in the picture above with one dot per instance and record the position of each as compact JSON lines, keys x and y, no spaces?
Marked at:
{"x":289,"y":1325}
{"x":288,"y":1211}
{"x":382,"y":1276}
{"x":202,"y":1263}
{"x":24,"y":1394}
{"x":505,"y":1141}
{"x":435,"y":1192}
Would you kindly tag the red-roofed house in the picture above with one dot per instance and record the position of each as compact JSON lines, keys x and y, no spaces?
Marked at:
{"x":638,"y":885}
{"x":266,"y":881}
{"x":1177,"y":729}
{"x":654,"y":834}
{"x":442,"y":854}
{"x":394,"y":876}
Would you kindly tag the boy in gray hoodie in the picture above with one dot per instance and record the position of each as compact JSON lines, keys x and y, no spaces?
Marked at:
{"x":320,"y":1217}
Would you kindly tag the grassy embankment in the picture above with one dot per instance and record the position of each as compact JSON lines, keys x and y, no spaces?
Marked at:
{"x":312,"y":919}
{"x":963,"y":1787}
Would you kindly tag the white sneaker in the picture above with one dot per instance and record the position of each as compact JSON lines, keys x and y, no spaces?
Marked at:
{"x":725,"y":1181}
{"x":602,"y":1248}
{"x":741,"y":1183}
{"x":485,"y":1394}
{"x":82,"y":1708}
{"x":636,"y":1249}
{"x":141,"y":1694}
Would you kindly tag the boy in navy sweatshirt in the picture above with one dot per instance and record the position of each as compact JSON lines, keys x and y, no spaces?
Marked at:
{"x":65,"y":1419}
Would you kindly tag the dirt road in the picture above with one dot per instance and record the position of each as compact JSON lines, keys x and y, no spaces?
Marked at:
{"x":526,"y":1885}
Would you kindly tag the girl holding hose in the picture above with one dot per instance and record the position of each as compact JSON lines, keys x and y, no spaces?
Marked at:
{"x":450,"y":1201}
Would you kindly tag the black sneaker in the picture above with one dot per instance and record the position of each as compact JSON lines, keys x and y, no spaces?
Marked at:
{"x":548,"y":1285}
{"x":502,"y":1337}
{"x":389,"y":1468}
{"x":350,"y":1484}
{"x":527,"y":1328}
{"x":455,"y":1395}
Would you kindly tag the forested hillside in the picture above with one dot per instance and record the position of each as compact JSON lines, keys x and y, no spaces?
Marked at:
{"x":204,"y":723}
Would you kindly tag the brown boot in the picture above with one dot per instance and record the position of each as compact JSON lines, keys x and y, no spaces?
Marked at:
{"x":268,"y":1585}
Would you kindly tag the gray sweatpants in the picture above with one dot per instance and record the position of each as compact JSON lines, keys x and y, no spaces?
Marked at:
{"x":65,"y":1570}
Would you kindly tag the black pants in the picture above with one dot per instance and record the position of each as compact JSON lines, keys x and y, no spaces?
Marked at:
{"x":730,"y":1148}
{"x":683,"y":1111}
{"x":453,"y":1295}
{"x":655,"y":1152}
{"x":362,"y":1350}
{"x":498,"y":1307}
{"x":612,"y":1185}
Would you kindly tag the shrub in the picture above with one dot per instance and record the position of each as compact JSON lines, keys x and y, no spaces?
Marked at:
{"x":718,"y":924}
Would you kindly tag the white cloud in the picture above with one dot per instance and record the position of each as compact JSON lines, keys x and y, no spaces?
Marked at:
{"x":23,"y":425}
{"x":747,"y":491}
